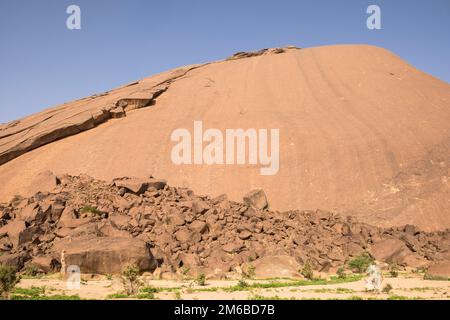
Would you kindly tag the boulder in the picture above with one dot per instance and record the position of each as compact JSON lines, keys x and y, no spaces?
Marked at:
{"x":396,"y":251}
{"x":16,"y":260}
{"x":188,"y":260}
{"x":198,"y":226}
{"x":232,"y":247}
{"x":120,"y":221}
{"x":13,"y":231}
{"x":32,"y":213}
{"x":274,"y":266}
{"x":45,"y":181}
{"x":257,"y":199}
{"x":68,"y":219}
{"x":177,"y":219}
{"x":139,"y":185}
{"x":440,"y":270}
{"x":46,"y":264}
{"x":245,"y":234}
{"x":135,"y":185}
{"x":183,"y":236}
{"x":200,"y":207}
{"x":106,"y":255}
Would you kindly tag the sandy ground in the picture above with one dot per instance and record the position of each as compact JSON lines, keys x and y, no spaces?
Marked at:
{"x":404,"y":287}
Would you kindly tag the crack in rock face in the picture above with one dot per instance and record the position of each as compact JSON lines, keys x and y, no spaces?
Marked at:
{"x":21,"y":136}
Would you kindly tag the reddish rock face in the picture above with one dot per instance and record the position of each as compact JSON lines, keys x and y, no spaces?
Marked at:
{"x":106,"y":255}
{"x":440,"y":270}
{"x":275,"y":266}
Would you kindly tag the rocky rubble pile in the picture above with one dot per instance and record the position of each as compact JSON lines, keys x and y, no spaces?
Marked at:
{"x":102,"y":226}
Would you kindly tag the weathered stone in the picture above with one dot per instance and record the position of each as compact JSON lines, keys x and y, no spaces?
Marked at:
{"x":183,"y":236}
{"x":256,"y":198}
{"x":200,"y":207}
{"x":46,"y":264}
{"x":16,"y":260}
{"x":440,"y":270}
{"x":109,"y":255}
{"x":274,"y":266}
{"x":245,"y":234}
{"x":198,"y":226}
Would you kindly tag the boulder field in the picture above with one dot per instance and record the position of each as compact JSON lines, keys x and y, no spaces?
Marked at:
{"x":104,"y":226}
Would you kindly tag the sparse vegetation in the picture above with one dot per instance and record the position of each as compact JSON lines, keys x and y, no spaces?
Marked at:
{"x":307,"y":271}
{"x":360,"y":263}
{"x":8,"y":280}
{"x":39,"y":293}
{"x":117,"y":296}
{"x":131,"y":280}
{"x":242,"y":284}
{"x":91,"y":209}
{"x":146,"y":296}
{"x":428,"y":276}
{"x":393,"y":270}
{"x":250,"y":274}
{"x":341,"y":273}
{"x":387,"y":288}
{"x":396,"y":297}
{"x":31,"y":270}
{"x":201,"y":279}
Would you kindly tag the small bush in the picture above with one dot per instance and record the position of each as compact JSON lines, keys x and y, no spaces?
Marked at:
{"x":250,"y":272}
{"x":201,"y":279}
{"x":387,"y":288}
{"x":341,"y":273}
{"x":393,"y":270}
{"x":242,"y":284}
{"x":31,"y":270}
{"x":92,"y":210}
{"x":146,"y":296}
{"x":361,"y":262}
{"x":150,"y":289}
{"x":307,"y":271}
{"x":131,"y":280}
{"x":8,"y":280}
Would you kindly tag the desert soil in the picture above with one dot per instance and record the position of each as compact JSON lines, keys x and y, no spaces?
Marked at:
{"x":404,"y":287}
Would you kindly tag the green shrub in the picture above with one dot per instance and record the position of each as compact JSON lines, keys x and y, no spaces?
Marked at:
{"x":201,"y":279}
{"x":361,"y":262}
{"x":242,"y":284}
{"x":91,"y":209}
{"x":393,"y":270}
{"x":31,"y":270}
{"x":131,"y":280}
{"x":146,"y":296}
{"x":307,"y":271}
{"x":341,"y":273}
{"x":8,"y":280}
{"x":150,"y":289}
{"x":250,"y":272}
{"x":387,"y":288}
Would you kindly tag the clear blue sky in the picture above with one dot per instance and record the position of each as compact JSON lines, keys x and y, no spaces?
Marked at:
{"x":42,"y":63}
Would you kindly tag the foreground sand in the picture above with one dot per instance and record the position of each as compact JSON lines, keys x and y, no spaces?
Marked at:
{"x":404,"y":287}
